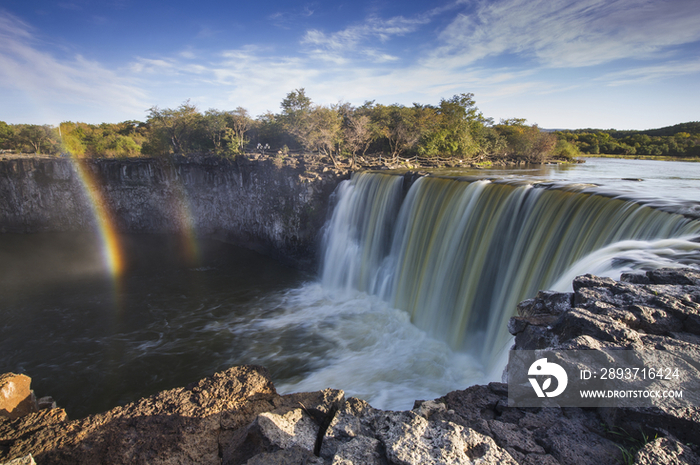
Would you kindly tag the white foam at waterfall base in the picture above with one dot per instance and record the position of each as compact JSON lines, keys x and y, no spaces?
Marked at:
{"x":369,"y":350}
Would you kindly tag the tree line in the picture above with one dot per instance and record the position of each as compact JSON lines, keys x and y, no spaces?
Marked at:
{"x":681,"y":140}
{"x":453,"y":129}
{"x":105,"y":140}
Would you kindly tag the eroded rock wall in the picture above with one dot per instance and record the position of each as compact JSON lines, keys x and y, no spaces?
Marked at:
{"x":274,"y":206}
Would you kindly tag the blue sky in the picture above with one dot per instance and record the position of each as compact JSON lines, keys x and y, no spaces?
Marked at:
{"x":626,"y":64}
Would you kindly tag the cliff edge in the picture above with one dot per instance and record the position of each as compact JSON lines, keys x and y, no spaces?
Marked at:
{"x":275,"y":206}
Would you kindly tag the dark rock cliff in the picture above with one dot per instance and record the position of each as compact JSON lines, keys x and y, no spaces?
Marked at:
{"x":274,"y":206}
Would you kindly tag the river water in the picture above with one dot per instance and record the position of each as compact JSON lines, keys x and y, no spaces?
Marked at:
{"x":92,"y":342}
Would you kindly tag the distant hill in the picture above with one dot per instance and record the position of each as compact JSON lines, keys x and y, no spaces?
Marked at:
{"x":692,"y":127}
{"x":680,"y":140}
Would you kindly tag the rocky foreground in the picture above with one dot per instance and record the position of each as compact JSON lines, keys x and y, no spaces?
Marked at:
{"x":236,"y":416}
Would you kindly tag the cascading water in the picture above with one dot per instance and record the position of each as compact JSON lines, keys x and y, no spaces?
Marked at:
{"x":458,"y":256}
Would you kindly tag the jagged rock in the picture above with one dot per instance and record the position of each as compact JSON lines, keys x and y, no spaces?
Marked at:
{"x":16,"y":397}
{"x":473,"y":407}
{"x":512,"y":437}
{"x":681,"y":422}
{"x":291,"y":456}
{"x":605,"y":328}
{"x":427,"y":408}
{"x":572,"y":436}
{"x":285,"y":424}
{"x":546,"y":303}
{"x":291,"y":431}
{"x":181,"y":425}
{"x":360,"y":450}
{"x":28,"y":460}
{"x":675,"y":276}
{"x":12,"y":430}
{"x":655,"y":311}
{"x":352,"y":421}
{"x":411,"y":439}
{"x":591,"y":281}
{"x":666,"y":451}
{"x":536,"y":315}
{"x":517,"y":325}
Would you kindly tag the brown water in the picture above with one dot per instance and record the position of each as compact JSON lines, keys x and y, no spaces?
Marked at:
{"x":92,"y":345}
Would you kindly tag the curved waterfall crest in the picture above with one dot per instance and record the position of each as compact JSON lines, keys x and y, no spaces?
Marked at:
{"x":459,"y":255}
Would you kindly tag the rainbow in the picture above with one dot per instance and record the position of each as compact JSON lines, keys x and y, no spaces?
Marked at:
{"x":186,"y":228}
{"x":112,"y":251}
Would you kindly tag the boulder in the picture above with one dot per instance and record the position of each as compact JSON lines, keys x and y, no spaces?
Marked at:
{"x":410,"y":439}
{"x":27,"y":460}
{"x":182,"y":425}
{"x":649,"y":312}
{"x":548,"y":435}
{"x":16,"y":397}
{"x":546,"y":303}
{"x":666,"y":451}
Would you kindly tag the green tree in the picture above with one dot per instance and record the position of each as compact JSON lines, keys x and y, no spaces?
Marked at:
{"x":357,"y":133}
{"x":37,"y":138}
{"x":269,"y":129}
{"x":173,"y":130}
{"x":565,"y":150}
{"x":455,"y":128}
{"x":296,"y":116}
{"x":239,"y":123}
{"x":488,"y":141}
{"x":323,"y":131}
{"x":105,"y":140}
{"x":296,"y":102}
{"x":458,"y":117}
{"x":72,"y":139}
{"x":528,"y":143}
{"x":396,"y":124}
{"x":7,"y":136}
{"x":214,"y":125}
{"x":114,"y":145}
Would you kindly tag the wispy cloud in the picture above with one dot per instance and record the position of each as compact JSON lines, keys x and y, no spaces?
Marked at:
{"x":52,"y":82}
{"x":287,"y":18}
{"x":11,"y":26}
{"x":565,"y":33}
{"x":654,"y":73}
{"x":362,"y":60}
{"x":361,"y":40}
{"x":502,"y":50}
{"x":155,"y":66}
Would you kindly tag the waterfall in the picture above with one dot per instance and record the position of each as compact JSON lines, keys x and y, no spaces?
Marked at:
{"x":459,"y":255}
